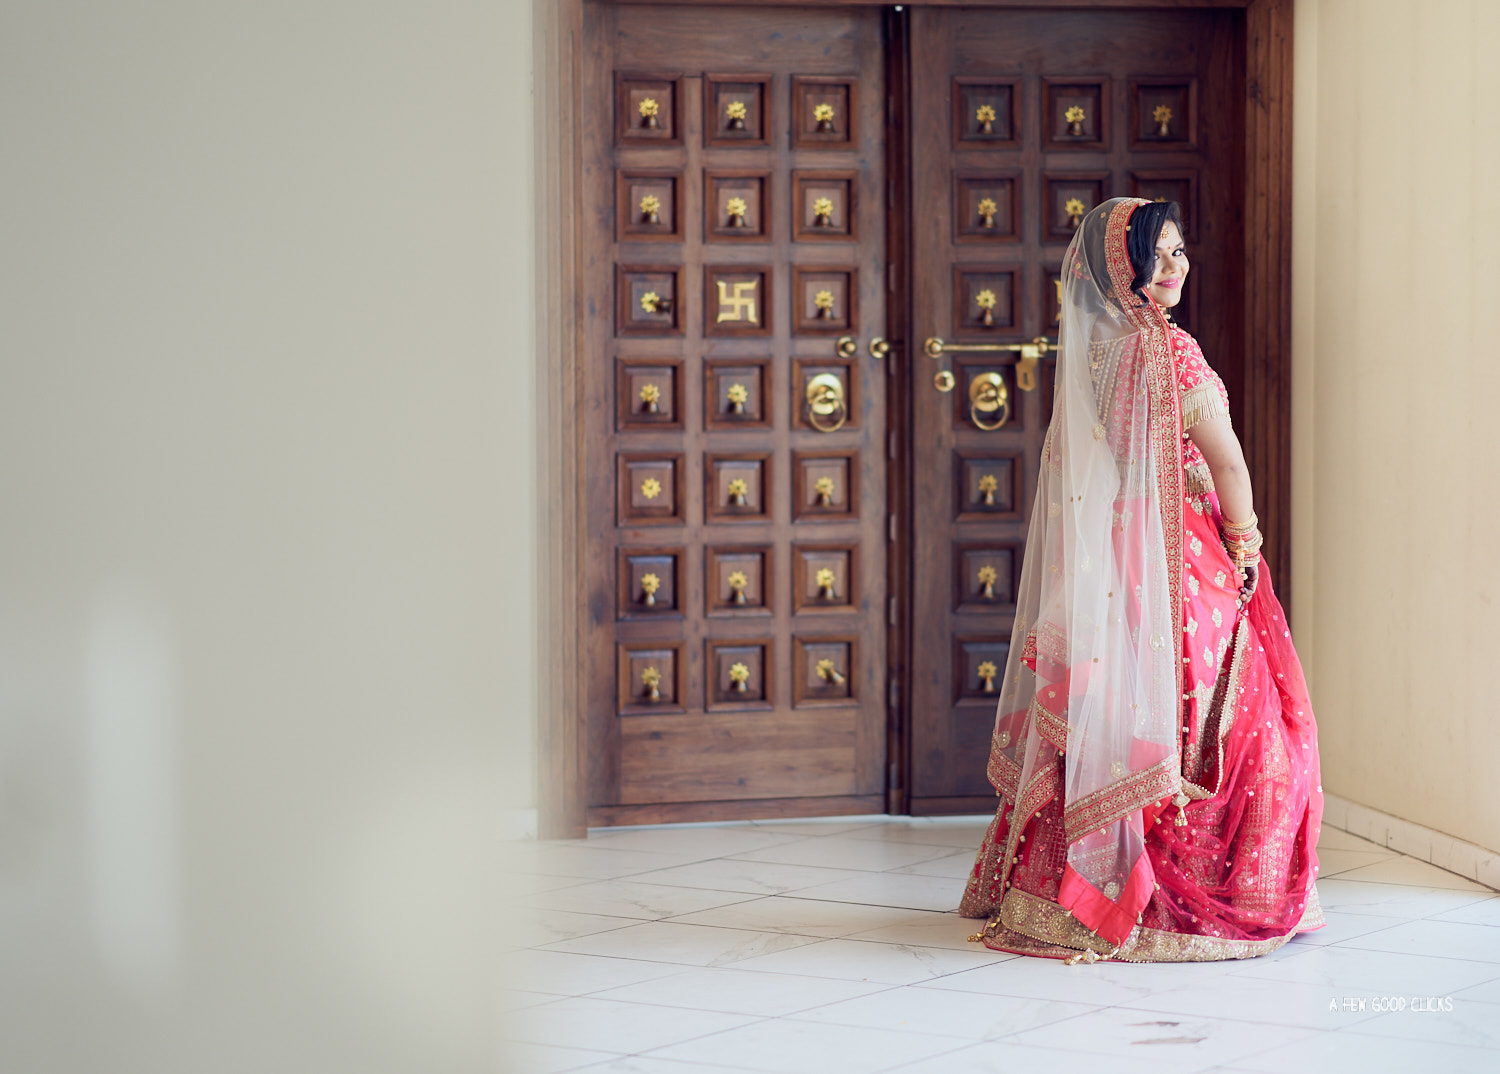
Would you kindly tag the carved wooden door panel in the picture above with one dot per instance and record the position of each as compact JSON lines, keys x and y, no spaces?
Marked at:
{"x":735,"y":497}
{"x":1023,"y":120}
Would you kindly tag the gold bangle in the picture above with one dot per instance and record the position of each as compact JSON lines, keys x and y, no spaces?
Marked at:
{"x":1237,"y":528}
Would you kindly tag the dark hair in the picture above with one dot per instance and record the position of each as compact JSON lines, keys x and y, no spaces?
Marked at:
{"x":1145,"y":228}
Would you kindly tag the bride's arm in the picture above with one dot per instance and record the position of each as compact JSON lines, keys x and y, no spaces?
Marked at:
{"x":1226,"y":461}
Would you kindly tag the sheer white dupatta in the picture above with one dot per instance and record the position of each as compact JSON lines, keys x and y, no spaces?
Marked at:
{"x":1099,"y":606}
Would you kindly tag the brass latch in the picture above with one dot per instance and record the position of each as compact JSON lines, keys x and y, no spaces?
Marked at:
{"x":1031,"y":353}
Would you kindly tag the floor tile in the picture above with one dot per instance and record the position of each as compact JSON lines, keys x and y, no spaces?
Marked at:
{"x":1334,"y":861}
{"x":1415,"y":873}
{"x":645,"y":1064}
{"x":511,"y":999}
{"x":856,"y":960}
{"x":801,"y":916}
{"x":1484,"y":912}
{"x":545,"y":1059}
{"x":818,"y":826}
{"x":1345,"y":971}
{"x":736,"y":991}
{"x":611,"y":1026}
{"x":1102,"y":984}
{"x":1249,"y":999}
{"x":1442,"y":1020}
{"x":514,"y":885}
{"x":1007,"y":1057}
{"x":595,"y":863}
{"x":564,"y":974}
{"x":953,"y":1014}
{"x":790,"y":1047}
{"x":1446,"y":939}
{"x":699,"y":843}
{"x":961,"y":834}
{"x":930,"y":929}
{"x":1348,"y":1050}
{"x":1391,"y":900}
{"x":1489,"y":992}
{"x":838,"y":852}
{"x":1342,"y":925}
{"x":954,"y":866}
{"x":1181,"y":1041}
{"x":1333,"y":838}
{"x":938,"y":893}
{"x":691,"y":945}
{"x":630,"y":898}
{"x":757,"y":878}
{"x":530,"y":927}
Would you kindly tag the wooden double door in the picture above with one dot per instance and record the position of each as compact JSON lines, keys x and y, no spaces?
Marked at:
{"x":815,"y":239}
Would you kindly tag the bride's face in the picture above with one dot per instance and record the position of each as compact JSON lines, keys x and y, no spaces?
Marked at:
{"x":1171,"y":267}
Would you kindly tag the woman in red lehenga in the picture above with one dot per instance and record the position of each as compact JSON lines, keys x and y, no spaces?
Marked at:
{"x":1154,"y":749}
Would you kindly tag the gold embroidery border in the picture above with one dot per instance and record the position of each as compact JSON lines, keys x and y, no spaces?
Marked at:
{"x":1101,"y":808}
{"x":1043,"y":920}
{"x":1227,"y":706}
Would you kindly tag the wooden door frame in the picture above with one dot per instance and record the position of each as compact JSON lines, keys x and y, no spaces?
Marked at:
{"x":1264,"y":404}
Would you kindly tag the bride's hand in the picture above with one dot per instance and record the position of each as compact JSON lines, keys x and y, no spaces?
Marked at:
{"x":1251,"y":575}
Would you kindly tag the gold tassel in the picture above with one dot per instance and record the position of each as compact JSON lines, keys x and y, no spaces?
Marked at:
{"x":1181,"y":802}
{"x":1200,"y":403}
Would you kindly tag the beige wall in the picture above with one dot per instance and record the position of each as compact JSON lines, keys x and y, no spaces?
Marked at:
{"x":1397,"y":374}
{"x":266,"y":476}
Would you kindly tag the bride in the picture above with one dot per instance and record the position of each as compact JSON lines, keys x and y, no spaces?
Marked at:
{"x":1154,"y":749}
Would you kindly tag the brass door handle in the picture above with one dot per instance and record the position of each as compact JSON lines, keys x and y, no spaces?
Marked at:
{"x":879,"y":348}
{"x":825,"y":398}
{"x":1030,"y":353}
{"x":987,"y":395}
{"x":846,"y":347}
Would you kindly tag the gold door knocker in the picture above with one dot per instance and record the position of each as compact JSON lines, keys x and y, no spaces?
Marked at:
{"x":650,"y":399}
{"x":987,"y":210}
{"x":985,"y":300}
{"x":825,"y":581}
{"x":824,"y":487}
{"x":987,"y":673}
{"x":987,"y":577}
{"x":988,"y":395}
{"x":737,"y":584}
{"x":822,"y":212}
{"x":651,"y":678}
{"x":649,"y":108}
{"x":739,"y":678}
{"x":985,"y":114}
{"x":735,"y":112}
{"x":1163,"y":117}
{"x":738,"y":395}
{"x":825,"y":398}
{"x":1074,"y":209}
{"x":650,"y":583}
{"x":737,"y":209}
{"x":828,"y":671}
{"x":823,"y":116}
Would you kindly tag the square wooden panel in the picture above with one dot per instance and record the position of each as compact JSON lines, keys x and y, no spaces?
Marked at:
{"x":989,"y":486}
{"x":736,"y":488}
{"x":736,"y":205}
{"x":979,"y":668}
{"x":825,"y":301}
{"x":736,"y":393}
{"x":986,"y":301}
{"x":986,"y":208}
{"x":648,"y":109}
{"x":825,"y":206}
{"x":736,"y":110}
{"x":736,"y":300}
{"x":1085,"y":100}
{"x":648,"y":583}
{"x":1180,"y":186}
{"x":648,"y":205}
{"x":803,"y":372}
{"x":824,"y":578}
{"x":1163,"y":113}
{"x":986,"y":576}
{"x":649,"y":490}
{"x":641,"y":667}
{"x":1067,"y":198}
{"x":1051,"y":302}
{"x":984,"y":113}
{"x":825,"y":112}
{"x":825,"y":485}
{"x":636,"y":313}
{"x":648,"y":394}
{"x":824,"y":671}
{"x":965,"y":369}
{"x":738,"y":580}
{"x":738,"y":674}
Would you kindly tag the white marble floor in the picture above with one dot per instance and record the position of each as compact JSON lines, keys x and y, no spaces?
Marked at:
{"x":831,"y":946}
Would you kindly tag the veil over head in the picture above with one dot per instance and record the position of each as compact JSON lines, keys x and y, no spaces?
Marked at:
{"x":1093,"y":676}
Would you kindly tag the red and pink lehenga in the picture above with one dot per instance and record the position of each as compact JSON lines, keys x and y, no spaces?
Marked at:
{"x":1154,"y":749}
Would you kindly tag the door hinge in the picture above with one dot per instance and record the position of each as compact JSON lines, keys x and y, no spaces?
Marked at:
{"x":892,"y":527}
{"x":891,"y":610}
